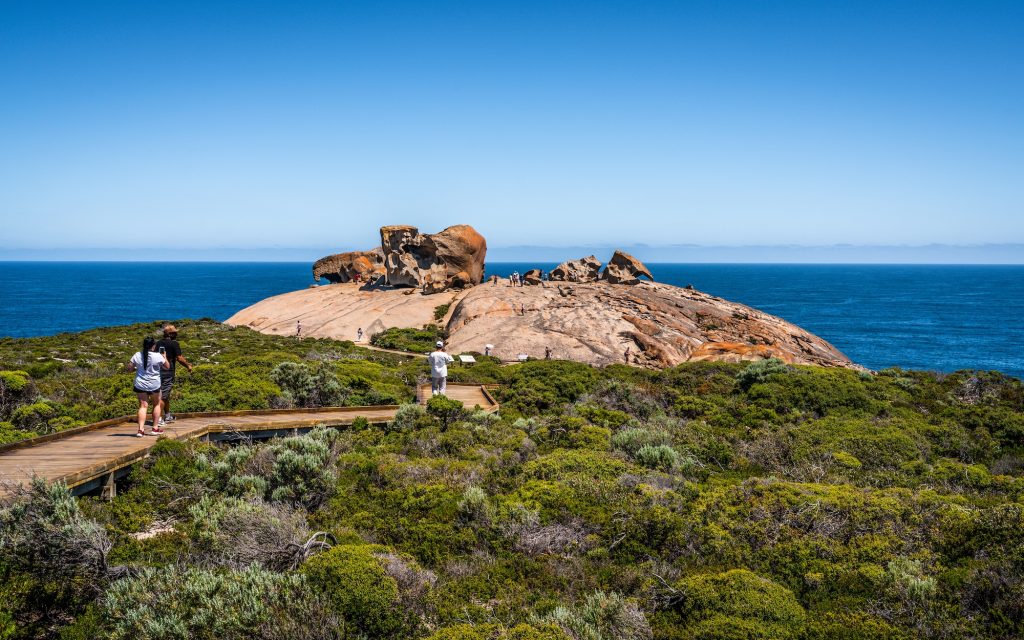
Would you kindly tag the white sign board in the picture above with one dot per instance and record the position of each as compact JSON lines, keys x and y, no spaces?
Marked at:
{"x":467,"y":359}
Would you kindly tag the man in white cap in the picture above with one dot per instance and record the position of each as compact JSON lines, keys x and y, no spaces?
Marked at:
{"x":439,"y":369}
{"x":171,"y":349}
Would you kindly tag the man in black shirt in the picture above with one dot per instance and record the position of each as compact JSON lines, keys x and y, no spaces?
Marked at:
{"x":172,"y":351}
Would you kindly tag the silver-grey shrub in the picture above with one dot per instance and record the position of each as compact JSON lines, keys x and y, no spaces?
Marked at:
{"x":197,"y":604}
{"x":406,"y":417}
{"x":602,"y":616}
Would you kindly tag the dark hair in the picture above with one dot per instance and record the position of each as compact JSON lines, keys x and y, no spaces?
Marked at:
{"x":147,"y":346}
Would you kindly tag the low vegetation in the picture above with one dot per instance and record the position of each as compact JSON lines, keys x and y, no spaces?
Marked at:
{"x":707,"y":501}
{"x":56,"y":382}
{"x":411,"y":340}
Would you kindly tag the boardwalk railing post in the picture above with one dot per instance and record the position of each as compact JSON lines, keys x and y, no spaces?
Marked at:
{"x":109,"y":491}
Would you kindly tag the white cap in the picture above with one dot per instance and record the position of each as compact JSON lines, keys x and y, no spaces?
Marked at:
{"x":440,"y":344}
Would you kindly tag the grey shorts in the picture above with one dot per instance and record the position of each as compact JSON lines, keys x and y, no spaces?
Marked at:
{"x":166,"y":384}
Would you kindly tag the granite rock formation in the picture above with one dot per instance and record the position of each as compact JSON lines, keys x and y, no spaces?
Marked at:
{"x":453,"y":258}
{"x":596,"y":322}
{"x":582,"y":270}
{"x":582,"y":317}
{"x":533,"y":277}
{"x":625,"y":269}
{"x":661,"y":325}
{"x":366,"y":266}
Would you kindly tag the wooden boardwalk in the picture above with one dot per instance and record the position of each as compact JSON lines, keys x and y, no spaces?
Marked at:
{"x":94,"y":456}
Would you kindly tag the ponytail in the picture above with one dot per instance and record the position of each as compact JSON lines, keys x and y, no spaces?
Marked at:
{"x":147,"y":346}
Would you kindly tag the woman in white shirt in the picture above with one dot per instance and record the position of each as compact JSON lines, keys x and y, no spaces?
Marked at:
{"x":147,"y":365}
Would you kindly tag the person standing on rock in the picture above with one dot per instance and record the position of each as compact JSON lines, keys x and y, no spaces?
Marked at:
{"x":439,"y":361}
{"x":547,"y":353}
{"x":171,"y":350}
{"x":359,"y":335}
{"x":298,"y":328}
{"x":625,"y":356}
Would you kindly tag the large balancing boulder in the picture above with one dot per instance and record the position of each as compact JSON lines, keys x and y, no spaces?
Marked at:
{"x":625,"y":269}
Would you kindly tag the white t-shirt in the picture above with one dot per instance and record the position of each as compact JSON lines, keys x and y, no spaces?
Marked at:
{"x":439,"y":364}
{"x":148,"y":377}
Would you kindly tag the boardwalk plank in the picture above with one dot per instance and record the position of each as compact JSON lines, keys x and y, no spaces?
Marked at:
{"x":87,"y":454}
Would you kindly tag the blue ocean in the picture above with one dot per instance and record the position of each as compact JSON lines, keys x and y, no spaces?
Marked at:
{"x":931,"y":317}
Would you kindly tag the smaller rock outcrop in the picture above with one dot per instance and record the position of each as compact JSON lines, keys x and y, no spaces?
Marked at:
{"x":533,"y":277}
{"x":625,"y":269}
{"x":583,"y":270}
{"x":365,"y":266}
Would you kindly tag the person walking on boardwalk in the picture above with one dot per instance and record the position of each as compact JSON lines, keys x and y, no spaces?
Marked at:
{"x":439,"y":361}
{"x":171,"y":351}
{"x":147,"y":364}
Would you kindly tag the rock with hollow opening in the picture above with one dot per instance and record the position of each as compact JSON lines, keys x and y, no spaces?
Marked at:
{"x":453,"y":258}
{"x":364,"y":266}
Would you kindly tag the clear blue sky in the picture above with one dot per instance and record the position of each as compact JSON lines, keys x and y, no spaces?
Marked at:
{"x":309,"y":124}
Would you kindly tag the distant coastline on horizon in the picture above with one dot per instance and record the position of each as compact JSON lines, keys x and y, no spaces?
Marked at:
{"x":931,"y":254}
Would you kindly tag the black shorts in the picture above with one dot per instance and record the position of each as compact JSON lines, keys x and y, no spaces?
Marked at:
{"x":166,"y":384}
{"x":138,"y":390}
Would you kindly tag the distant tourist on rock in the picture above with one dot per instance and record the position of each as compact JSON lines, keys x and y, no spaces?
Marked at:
{"x":147,"y":365}
{"x":625,"y":356}
{"x":547,"y":353}
{"x":439,"y":361}
{"x":359,"y":335}
{"x":487,"y":349}
{"x":298,"y":327}
{"x":168,"y":346}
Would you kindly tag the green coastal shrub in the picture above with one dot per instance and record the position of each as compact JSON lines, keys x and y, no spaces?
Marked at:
{"x":302,"y":386}
{"x":408,"y":417}
{"x":411,"y":340}
{"x":738,"y":604}
{"x":15,"y":388}
{"x":657,"y":456}
{"x":498,"y":632}
{"x":760,"y":371}
{"x":354,"y":581}
{"x":632,"y":439}
{"x":446,"y":410}
{"x":34,"y":417}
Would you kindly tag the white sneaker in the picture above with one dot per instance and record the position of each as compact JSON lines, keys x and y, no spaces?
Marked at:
{"x":170,"y":417}
{"x":163,"y":423}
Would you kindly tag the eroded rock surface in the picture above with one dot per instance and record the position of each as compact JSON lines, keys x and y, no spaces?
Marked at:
{"x":625,"y":269}
{"x":533,"y":277}
{"x":366,"y":266}
{"x":582,"y":270}
{"x":451,"y":259}
{"x":660,"y":324}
